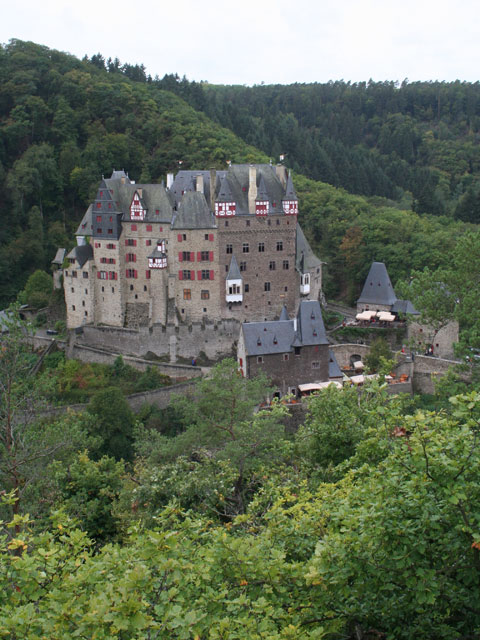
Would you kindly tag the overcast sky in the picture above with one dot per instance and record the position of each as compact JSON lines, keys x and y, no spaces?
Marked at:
{"x":254,"y":41}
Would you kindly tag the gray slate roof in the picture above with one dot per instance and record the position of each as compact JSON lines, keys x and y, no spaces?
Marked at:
{"x":81,"y":253}
{"x":284,"y":313}
{"x":334,"y":370}
{"x":310,"y":327}
{"x":156,"y":253}
{"x":234,"y":271}
{"x":193,"y":213}
{"x":225,"y":193}
{"x":238,"y":177}
{"x":378,"y":288}
{"x":260,"y":337}
{"x":404,"y":306}
{"x":262,"y":193}
{"x":85,"y":228}
{"x":59,"y":257}
{"x":306,"y":260}
{"x":290,"y":193}
{"x":154,"y":198}
{"x":280,"y":336}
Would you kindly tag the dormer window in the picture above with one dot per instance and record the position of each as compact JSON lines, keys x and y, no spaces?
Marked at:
{"x":290,"y":207}
{"x":137,"y":211}
{"x":262,"y":207}
{"x":225,"y":209}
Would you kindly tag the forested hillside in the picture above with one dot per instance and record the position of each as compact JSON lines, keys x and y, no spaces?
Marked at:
{"x":64,"y":123}
{"x":411,"y":151}
{"x":416,"y":143}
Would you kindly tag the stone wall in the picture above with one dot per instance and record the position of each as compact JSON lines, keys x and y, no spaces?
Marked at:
{"x":93,"y":354}
{"x":215,"y":339}
{"x":158,"y":397}
{"x":422,"y":371}
{"x":344,"y":351}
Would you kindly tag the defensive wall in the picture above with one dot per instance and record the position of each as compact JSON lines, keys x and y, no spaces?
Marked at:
{"x":158,"y":397}
{"x":94,"y":354}
{"x":215,"y":339}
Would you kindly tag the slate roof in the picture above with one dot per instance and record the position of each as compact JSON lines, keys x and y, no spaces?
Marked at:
{"x":404,"y":306}
{"x":59,"y":257}
{"x":280,"y":336}
{"x":334,"y":370}
{"x":310,"y":327}
{"x":290,"y":193}
{"x":85,"y":228}
{"x":234,"y":271}
{"x":260,"y":337}
{"x":377,"y":288}
{"x":225,"y":193}
{"x":154,"y":198}
{"x":157,"y":253}
{"x":238,"y":179}
{"x":81,"y":253}
{"x":193,"y":213}
{"x":262,"y":193}
{"x":306,"y":260}
{"x":284,"y":313}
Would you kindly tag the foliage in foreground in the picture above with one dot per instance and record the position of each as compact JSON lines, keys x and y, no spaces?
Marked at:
{"x":391,"y":550}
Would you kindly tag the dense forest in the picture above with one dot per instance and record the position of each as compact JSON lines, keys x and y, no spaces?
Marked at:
{"x":409,"y":153}
{"x":415,"y":143}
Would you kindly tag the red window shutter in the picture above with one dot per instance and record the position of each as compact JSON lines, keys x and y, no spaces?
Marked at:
{"x":199,"y":256}
{"x":192,"y":256}
{"x":98,"y":275}
{"x":212,"y":273}
{"x":126,"y":273}
{"x":180,"y":275}
{"x":192,"y":275}
{"x":149,"y":227}
{"x":134,"y":227}
{"x":147,"y":275}
{"x":179,"y":237}
{"x":134,"y":257}
{"x":115,"y":275}
{"x":199,"y":275}
{"x":210,"y":237}
{"x":211,"y":256}
{"x":135,"y":274}
{"x":180,"y":256}
{"x":126,"y":242}
{"x":134,"y":243}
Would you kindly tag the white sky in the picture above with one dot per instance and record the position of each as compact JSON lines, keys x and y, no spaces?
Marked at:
{"x":254,"y":41}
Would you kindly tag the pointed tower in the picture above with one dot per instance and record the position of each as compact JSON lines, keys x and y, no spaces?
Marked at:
{"x":106,"y":216}
{"x":284,"y":314}
{"x":225,"y":204}
{"x":262,"y":201}
{"x":377,"y":292}
{"x":290,"y":200}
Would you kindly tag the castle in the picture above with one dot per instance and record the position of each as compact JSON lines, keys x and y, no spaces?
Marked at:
{"x":210,"y":245}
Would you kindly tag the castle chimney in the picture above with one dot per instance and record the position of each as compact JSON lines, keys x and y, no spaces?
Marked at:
{"x":213,"y":186}
{"x":252,"y":188}
{"x":169,"y":180}
{"x":281,"y":172}
{"x":200,"y":182}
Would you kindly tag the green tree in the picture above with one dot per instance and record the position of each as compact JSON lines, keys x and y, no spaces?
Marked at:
{"x":401,"y":554}
{"x":114,"y":422}
{"x":88,"y":490}
{"x":38,"y":289}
